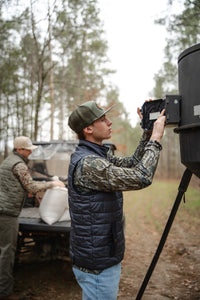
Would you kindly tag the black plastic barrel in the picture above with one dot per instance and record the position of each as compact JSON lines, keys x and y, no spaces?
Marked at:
{"x":189,"y":89}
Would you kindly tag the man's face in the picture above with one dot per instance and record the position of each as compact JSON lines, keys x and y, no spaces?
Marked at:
{"x":101,"y":129}
{"x":24,"y":152}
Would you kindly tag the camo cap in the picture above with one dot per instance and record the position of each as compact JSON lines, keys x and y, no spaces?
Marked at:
{"x":85,"y":114}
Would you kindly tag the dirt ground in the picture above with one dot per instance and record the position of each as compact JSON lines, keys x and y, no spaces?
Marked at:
{"x":176,"y":275}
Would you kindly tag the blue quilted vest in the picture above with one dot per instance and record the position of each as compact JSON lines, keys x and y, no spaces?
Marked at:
{"x":97,"y":235}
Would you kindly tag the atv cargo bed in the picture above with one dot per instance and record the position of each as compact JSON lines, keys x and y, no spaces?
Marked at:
{"x":30,"y":221}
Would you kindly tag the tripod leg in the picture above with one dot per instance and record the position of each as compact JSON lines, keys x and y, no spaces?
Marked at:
{"x":181,"y":190}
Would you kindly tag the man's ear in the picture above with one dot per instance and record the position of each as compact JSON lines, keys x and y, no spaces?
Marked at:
{"x":88,"y":129}
{"x":18,"y":150}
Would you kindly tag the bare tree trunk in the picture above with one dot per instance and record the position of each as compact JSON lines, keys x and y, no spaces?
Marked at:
{"x":51,"y":76}
{"x":38,"y":104}
{"x":41,"y":72}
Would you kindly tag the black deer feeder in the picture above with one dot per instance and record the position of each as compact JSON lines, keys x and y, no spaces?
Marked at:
{"x":184,"y":111}
{"x":189,"y":89}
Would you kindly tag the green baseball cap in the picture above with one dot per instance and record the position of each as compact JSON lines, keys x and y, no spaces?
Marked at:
{"x":85,"y":114}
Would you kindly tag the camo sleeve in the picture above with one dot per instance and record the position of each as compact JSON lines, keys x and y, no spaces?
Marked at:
{"x":134,"y":159}
{"x":97,"y":173}
{"x":30,"y":185}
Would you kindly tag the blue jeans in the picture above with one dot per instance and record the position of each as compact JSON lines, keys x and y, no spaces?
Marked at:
{"x":103,"y":286}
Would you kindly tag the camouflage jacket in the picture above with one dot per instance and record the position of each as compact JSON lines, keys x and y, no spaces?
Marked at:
{"x":21,"y":171}
{"x":119,"y":173}
{"x":15,"y":180}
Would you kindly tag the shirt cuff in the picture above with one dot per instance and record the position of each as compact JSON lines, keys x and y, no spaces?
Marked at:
{"x":155,"y":143}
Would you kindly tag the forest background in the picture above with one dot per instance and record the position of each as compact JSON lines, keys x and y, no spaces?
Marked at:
{"x":53,"y":57}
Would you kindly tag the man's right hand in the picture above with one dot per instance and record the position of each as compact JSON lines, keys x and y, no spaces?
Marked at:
{"x":58,"y":183}
{"x":158,"y":128}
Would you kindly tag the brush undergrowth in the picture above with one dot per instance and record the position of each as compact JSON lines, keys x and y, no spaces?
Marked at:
{"x":154,"y":204}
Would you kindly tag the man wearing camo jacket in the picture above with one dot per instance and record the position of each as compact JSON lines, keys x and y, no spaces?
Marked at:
{"x":95,"y":184}
{"x":15,"y":182}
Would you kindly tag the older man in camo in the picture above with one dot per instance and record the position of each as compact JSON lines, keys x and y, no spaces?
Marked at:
{"x":15,"y":182}
{"x":96,"y":181}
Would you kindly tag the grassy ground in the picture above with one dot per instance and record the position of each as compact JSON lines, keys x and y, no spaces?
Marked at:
{"x":156,"y":201}
{"x":147,"y":212}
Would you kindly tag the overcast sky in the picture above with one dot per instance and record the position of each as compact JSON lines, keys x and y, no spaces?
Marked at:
{"x":136,"y":47}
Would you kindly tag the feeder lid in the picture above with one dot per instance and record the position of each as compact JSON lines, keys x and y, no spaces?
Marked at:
{"x":189,"y":51}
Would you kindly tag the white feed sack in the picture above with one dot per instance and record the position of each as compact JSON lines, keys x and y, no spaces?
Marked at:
{"x":54,"y":205}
